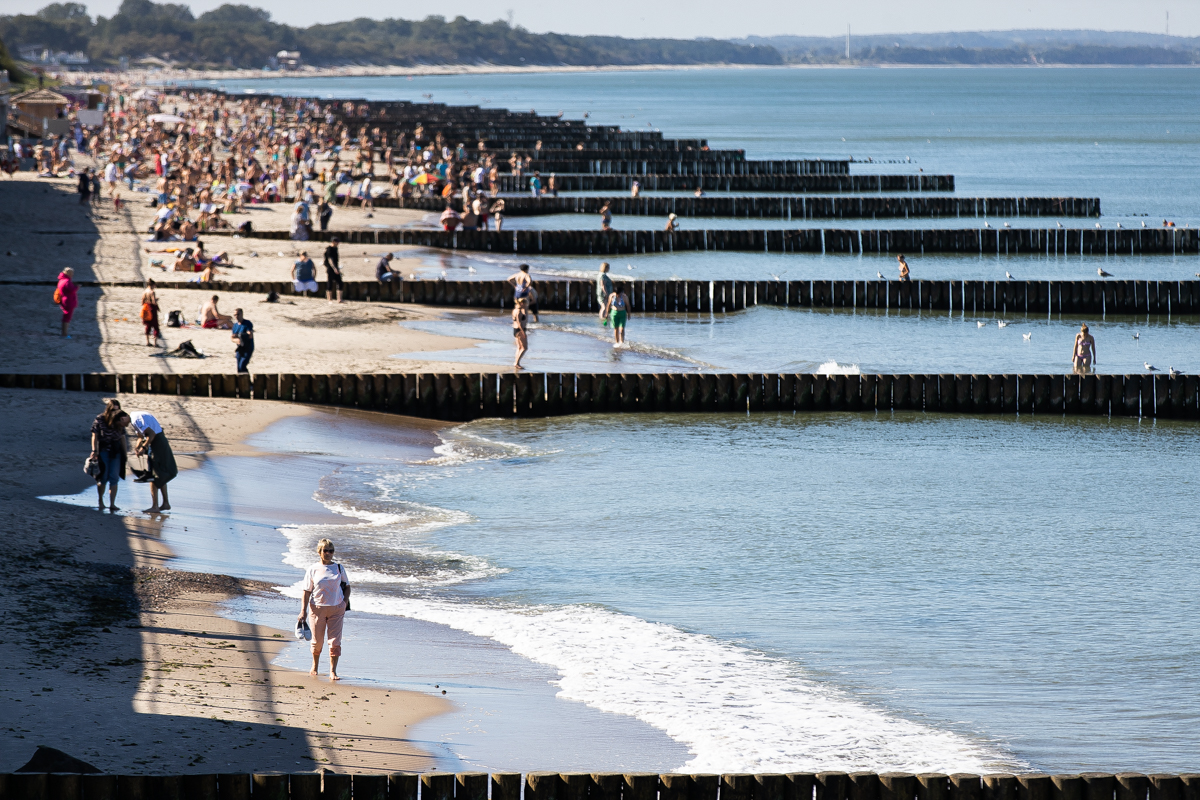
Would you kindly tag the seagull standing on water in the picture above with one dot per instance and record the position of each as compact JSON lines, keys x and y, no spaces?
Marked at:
{"x":1001,"y":324}
{"x":1137,"y":336}
{"x":980,"y":324}
{"x":1027,"y":336}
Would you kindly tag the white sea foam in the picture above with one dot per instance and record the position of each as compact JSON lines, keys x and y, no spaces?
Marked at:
{"x":735,"y":709}
{"x":834,"y":368}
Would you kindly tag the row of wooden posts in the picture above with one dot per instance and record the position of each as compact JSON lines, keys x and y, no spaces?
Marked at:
{"x":1092,"y":298}
{"x":467,"y":396}
{"x":977,"y":241}
{"x":600,"y":786}
{"x":685,"y":164}
{"x":577,"y":182}
{"x":767,"y":207}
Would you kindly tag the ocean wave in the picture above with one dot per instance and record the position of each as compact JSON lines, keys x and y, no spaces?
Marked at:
{"x":735,"y":709}
{"x":834,"y":368}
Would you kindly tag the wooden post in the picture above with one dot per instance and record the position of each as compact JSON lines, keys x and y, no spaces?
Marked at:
{"x":897,"y":786}
{"x":287,"y":386}
{"x":965,"y":786}
{"x":864,"y":786}
{"x":243,"y":385}
{"x":1072,"y":385}
{"x":1067,"y":787}
{"x":773,"y":786}
{"x":640,"y":786}
{"x":575,"y":785}
{"x":1099,"y":786}
{"x":104,"y":787}
{"x":630,"y":392}
{"x":964,"y":399}
{"x":737,"y":786}
{"x":1034,"y":787}
{"x":505,"y":394}
{"x":307,"y":786}
{"x":1133,"y":786}
{"x":269,"y":787}
{"x":672,"y":786}
{"x":605,"y":786}
{"x":1057,"y":396}
{"x":837,"y":392}
{"x":524,"y":393}
{"x":803,"y":785}
{"x":233,"y":786}
{"x":1127,"y":390}
{"x":437,"y":786}
{"x":32,"y":786}
{"x":334,"y":786}
{"x":820,"y":392}
{"x":832,"y":786}
{"x":1041,"y":394}
{"x":707,"y":397}
{"x":303,"y":388}
{"x":505,"y":786}
{"x":1000,"y":787}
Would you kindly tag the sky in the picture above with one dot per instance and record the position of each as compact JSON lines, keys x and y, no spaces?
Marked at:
{"x":718,"y":19}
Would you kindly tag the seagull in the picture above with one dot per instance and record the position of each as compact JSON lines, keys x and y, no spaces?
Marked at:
{"x":1059,"y":224}
{"x":630,"y":267}
{"x":986,"y":225}
{"x":1143,"y":223}
{"x":443,"y":273}
{"x":1149,"y":367}
{"x":1007,"y":225}
{"x":879,"y":275}
{"x":1001,"y":324}
{"x":1027,"y":336}
{"x":281,"y":252}
{"x":1172,"y":371}
{"x":253,"y":254}
{"x":472,"y":270}
{"x":1008,"y":275}
{"x":1100,"y":271}
{"x":980,"y":324}
{"x":1097,"y":224}
{"x":1118,"y":224}
{"x":1137,"y":336}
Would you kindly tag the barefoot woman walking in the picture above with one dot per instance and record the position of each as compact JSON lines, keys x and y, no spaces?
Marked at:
{"x":326,"y":600}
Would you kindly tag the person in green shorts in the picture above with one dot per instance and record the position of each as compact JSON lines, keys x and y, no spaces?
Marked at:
{"x":617,"y":309}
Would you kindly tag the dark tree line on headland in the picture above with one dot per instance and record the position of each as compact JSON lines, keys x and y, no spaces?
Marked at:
{"x":243,"y":36}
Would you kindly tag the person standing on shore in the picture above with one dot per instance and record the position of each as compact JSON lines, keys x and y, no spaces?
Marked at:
{"x":1083,"y":354}
{"x":521,"y":282}
{"x":617,"y":309}
{"x":150,"y":314}
{"x":520,"y":333}
{"x":85,"y":187}
{"x":161,"y":469}
{"x":903,"y":266}
{"x":333,"y":271}
{"x":243,"y":336}
{"x":109,"y":446}
{"x":325,"y":602}
{"x":304,"y":275}
{"x":67,"y":297}
{"x":604,"y":287}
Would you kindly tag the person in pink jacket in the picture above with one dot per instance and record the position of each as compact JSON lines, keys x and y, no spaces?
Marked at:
{"x":67,"y":295}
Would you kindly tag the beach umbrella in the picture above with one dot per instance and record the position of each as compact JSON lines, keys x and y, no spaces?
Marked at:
{"x":423,"y":179}
{"x":170,"y":119}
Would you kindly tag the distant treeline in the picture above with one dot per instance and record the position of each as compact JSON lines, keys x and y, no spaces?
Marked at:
{"x":1071,"y":54}
{"x":243,"y":36}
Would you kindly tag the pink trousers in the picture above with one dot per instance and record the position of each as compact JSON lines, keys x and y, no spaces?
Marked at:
{"x":327,"y":621}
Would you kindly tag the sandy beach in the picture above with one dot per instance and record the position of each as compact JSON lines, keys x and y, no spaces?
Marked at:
{"x":118,"y":659}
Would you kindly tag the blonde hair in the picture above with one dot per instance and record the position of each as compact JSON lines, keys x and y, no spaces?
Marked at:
{"x":321,"y":545}
{"x":69,"y":272}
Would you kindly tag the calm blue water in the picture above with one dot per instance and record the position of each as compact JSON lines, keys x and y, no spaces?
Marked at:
{"x":799,"y":592}
{"x":805,"y":592}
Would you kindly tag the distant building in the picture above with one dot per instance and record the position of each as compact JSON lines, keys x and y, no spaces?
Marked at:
{"x":38,"y":54}
{"x":288,"y":60}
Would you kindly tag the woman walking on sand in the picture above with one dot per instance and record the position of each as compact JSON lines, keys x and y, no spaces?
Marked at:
{"x":66,"y":295}
{"x":617,"y":309}
{"x":150,"y":314}
{"x":109,"y":446}
{"x":161,"y":470}
{"x":520,"y":335}
{"x":325,"y":602}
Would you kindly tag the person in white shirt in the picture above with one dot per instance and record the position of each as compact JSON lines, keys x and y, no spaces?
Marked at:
{"x":325,"y":602}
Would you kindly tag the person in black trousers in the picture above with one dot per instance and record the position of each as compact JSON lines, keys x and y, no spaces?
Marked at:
{"x":333,"y":271}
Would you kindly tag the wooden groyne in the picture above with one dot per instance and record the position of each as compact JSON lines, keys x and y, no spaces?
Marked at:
{"x":599,"y":786}
{"x":738,"y":183}
{"x":816,"y":207}
{"x":468,"y":396}
{"x":978,"y":241}
{"x":1094,"y":298}
{"x":690,"y":164}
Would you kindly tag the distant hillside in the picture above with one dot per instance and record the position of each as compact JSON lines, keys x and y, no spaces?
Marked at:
{"x":243,"y":36}
{"x":989,"y":47}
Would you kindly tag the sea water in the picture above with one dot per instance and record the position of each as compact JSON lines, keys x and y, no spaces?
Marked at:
{"x":802,"y":592}
{"x":826,"y":591}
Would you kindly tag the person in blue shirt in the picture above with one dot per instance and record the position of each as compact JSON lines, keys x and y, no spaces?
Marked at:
{"x":535,"y":184}
{"x":243,"y":336}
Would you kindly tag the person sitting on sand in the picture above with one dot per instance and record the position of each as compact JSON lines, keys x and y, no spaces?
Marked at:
{"x":325,"y":601}
{"x":161,"y":468}
{"x":185,"y":262}
{"x":211,"y":317}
